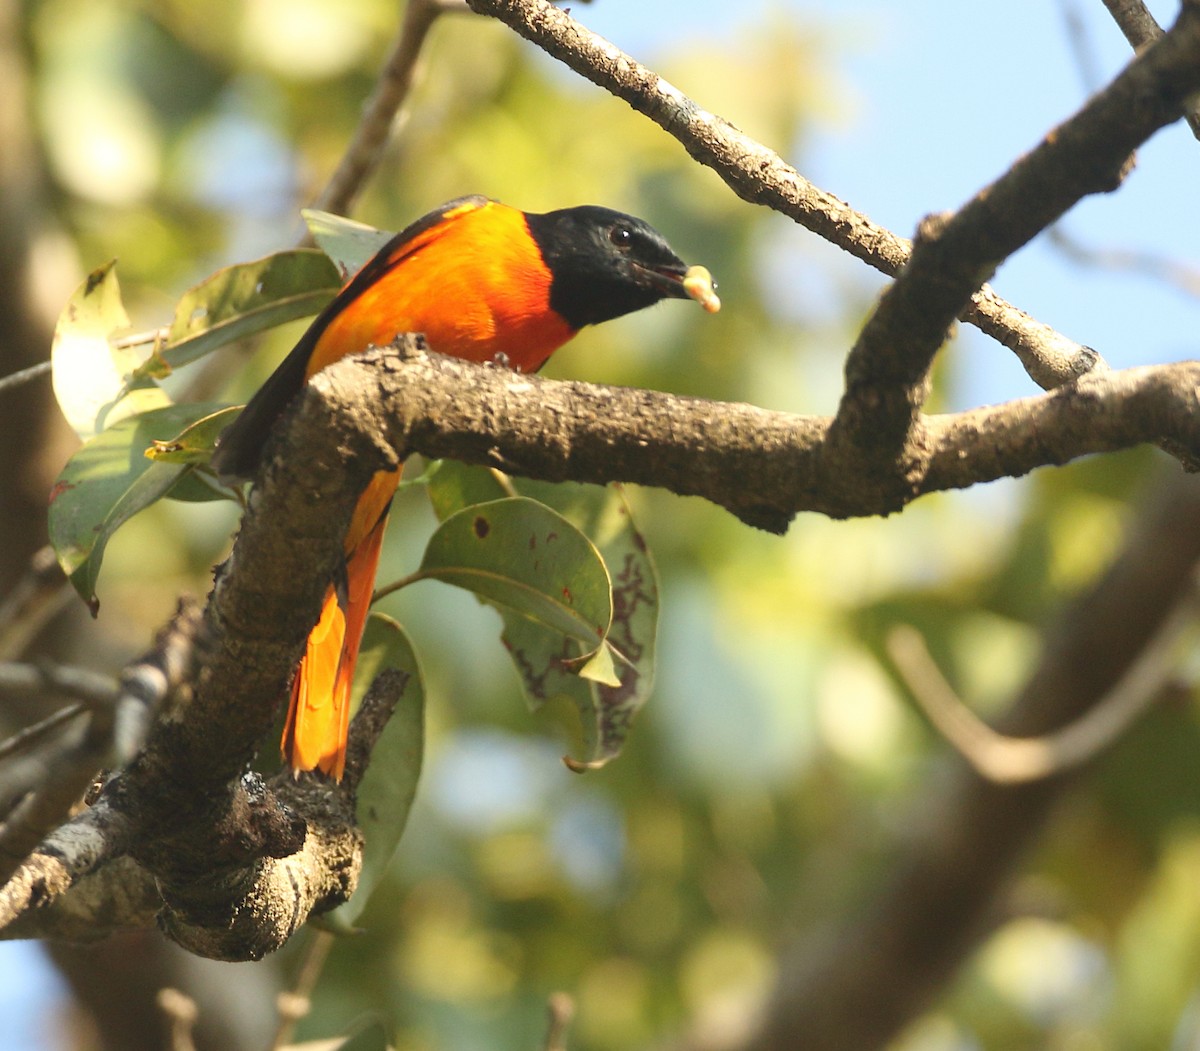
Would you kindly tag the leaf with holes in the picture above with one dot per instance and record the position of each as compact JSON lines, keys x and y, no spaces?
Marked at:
{"x":241,"y":300}
{"x":524,"y":556}
{"x":347,"y":242}
{"x":606,"y":710}
{"x":547,"y":663}
{"x":107,"y":482}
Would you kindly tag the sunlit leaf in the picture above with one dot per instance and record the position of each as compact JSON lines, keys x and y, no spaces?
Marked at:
{"x":390,"y":783}
{"x":195,"y":443}
{"x":529,"y":558}
{"x":107,"y":482}
{"x":241,"y":300}
{"x":599,"y":668}
{"x":348,"y":243}
{"x":90,"y":374}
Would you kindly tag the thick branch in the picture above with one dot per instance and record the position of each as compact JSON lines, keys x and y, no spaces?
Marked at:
{"x":888,"y":368}
{"x":255,"y":910}
{"x":762,"y":466}
{"x":1140,"y":28}
{"x":235,"y":865}
{"x":216,"y":843}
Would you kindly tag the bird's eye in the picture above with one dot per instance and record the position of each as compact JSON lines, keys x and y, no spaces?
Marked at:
{"x":621,"y":236}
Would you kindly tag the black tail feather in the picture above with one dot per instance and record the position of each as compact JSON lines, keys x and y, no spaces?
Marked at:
{"x":240,"y":447}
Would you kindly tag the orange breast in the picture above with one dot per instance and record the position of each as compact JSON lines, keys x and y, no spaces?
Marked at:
{"x":476,"y":286}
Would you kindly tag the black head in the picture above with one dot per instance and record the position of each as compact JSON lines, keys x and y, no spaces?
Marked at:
{"x":604,"y":263}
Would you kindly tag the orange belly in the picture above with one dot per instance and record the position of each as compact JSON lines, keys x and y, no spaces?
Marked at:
{"x":481,"y":294}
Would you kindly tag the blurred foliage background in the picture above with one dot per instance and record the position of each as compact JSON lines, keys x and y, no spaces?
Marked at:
{"x":768,"y":782}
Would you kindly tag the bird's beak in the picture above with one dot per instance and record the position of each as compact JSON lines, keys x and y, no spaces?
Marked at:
{"x":693,"y":282}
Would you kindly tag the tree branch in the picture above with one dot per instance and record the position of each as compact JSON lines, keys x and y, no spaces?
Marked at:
{"x":1134,"y":19}
{"x":207,"y":842}
{"x":231,"y":865}
{"x":764,"y":467}
{"x":887,"y":371}
{"x":759,"y":175}
{"x":1015,"y":760}
{"x":857,"y":982}
{"x":36,"y":597}
{"x":392,"y":89}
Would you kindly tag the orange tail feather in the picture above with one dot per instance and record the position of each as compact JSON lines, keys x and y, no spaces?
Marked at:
{"x":318,"y":719}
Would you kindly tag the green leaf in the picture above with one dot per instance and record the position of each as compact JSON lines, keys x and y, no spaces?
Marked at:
{"x":198,"y":486}
{"x":195,"y":443}
{"x":634,"y":630}
{"x":348,"y":243}
{"x":458,"y":485}
{"x":606,"y":710}
{"x":107,"y":482}
{"x":91,"y":377}
{"x":548,"y":664}
{"x":390,"y":783}
{"x":599,"y":668}
{"x":529,"y":558}
{"x":241,"y":300}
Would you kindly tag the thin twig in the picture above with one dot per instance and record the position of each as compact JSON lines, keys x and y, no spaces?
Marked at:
{"x":15,"y":379}
{"x":398,"y":584}
{"x":48,"y":778}
{"x":383,"y":109}
{"x":1141,"y":29}
{"x":31,"y":736}
{"x":47,"y":784}
{"x":182,"y":1014}
{"x":759,"y":175}
{"x":560,"y":1012}
{"x":1183,"y":277}
{"x":1080,"y":44}
{"x":35,"y":598}
{"x":91,"y":688}
{"x":1019,"y":760}
{"x":147,"y":683}
{"x":295,"y":1003}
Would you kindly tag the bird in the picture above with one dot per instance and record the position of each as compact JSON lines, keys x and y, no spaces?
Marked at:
{"x":484,"y":282}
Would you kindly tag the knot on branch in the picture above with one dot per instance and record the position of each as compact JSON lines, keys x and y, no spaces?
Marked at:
{"x":250,"y":912}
